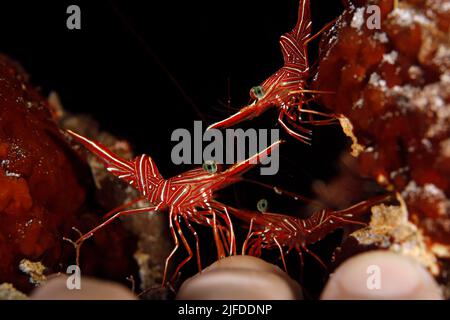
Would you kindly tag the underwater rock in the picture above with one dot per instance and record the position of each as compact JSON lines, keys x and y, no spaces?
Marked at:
{"x":393,"y":85}
{"x":390,"y":229}
{"x":44,"y":190}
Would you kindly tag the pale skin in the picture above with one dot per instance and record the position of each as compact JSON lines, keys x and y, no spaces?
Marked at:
{"x":401,"y":278}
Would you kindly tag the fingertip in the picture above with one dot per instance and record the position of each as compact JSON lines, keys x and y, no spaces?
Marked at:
{"x":240,"y":278}
{"x":381,"y":275}
{"x":57,"y":288}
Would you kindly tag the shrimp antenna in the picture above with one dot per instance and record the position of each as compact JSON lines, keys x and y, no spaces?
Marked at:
{"x":293,"y":195}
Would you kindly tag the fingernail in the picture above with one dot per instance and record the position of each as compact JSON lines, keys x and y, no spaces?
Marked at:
{"x":238,"y":278}
{"x":381,"y":275}
{"x":56,"y":288}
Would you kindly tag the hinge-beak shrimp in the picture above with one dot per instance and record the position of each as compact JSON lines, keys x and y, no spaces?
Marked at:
{"x":189,"y":197}
{"x":285,"y":89}
{"x":286,"y":233}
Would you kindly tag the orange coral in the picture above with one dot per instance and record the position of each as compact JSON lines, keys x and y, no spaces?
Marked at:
{"x":43,"y":187}
{"x":393,"y":84}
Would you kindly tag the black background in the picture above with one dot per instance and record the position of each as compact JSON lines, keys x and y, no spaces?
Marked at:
{"x":281,"y":309}
{"x":145,"y":68}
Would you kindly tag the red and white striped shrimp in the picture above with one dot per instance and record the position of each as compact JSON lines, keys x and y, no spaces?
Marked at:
{"x":188,"y":197}
{"x":285,"y":89}
{"x":283,"y":232}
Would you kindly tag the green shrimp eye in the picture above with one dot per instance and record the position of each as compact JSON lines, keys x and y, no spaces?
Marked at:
{"x":262,"y":205}
{"x":210,"y":166}
{"x":257,"y":92}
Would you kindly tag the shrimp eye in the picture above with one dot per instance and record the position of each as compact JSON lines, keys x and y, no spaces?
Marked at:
{"x":257,"y":92}
{"x":262,"y":205}
{"x":210,"y":166}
